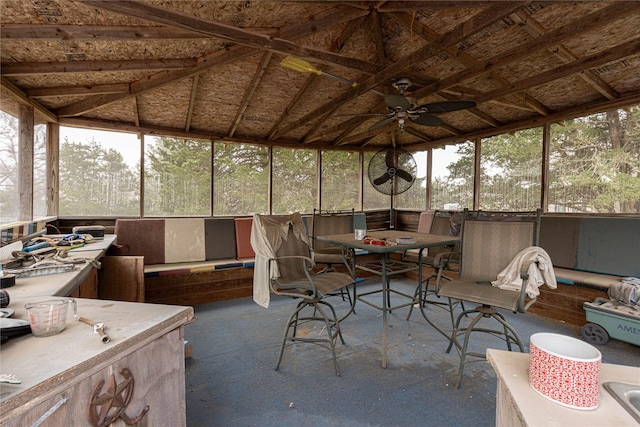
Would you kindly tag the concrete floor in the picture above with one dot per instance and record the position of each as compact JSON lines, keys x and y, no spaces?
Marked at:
{"x":231,"y":381}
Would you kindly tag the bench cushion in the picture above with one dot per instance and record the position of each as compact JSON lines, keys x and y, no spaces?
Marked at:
{"x":575,"y":277}
{"x":158,"y":270}
{"x":220,"y":238}
{"x":243,"y":238}
{"x":142,"y":238}
{"x":184,"y":240}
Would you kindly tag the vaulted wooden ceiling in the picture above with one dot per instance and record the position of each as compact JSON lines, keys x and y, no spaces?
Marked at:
{"x":212,"y":69}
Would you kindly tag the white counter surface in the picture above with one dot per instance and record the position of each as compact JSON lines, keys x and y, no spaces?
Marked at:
{"x":533,"y":409}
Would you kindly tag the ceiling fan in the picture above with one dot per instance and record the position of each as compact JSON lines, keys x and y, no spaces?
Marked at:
{"x":400,"y":108}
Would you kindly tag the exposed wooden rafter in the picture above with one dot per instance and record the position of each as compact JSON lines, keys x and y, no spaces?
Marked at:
{"x":211,"y":70}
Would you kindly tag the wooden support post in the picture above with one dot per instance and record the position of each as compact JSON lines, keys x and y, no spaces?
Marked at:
{"x":53,"y":169}
{"x":25,"y":162}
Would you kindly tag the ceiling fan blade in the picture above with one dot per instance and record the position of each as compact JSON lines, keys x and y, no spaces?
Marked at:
{"x":397,"y":102}
{"x":445,"y":106}
{"x":426,"y":120}
{"x":382,"y":179}
{"x":300,"y":65}
{"x":382,"y":123}
{"x":404,"y":175}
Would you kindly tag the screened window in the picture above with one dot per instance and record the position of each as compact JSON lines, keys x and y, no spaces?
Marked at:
{"x":99,"y":173}
{"x":340,"y":180}
{"x":511,"y":171}
{"x":452,"y":177}
{"x":9,"y":196}
{"x":415,"y":197}
{"x":177,"y":177}
{"x":241,"y":179}
{"x":294,"y":180}
{"x":594,"y":163}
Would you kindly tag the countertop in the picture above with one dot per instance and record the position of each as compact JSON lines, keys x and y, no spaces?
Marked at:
{"x":44,"y":363}
{"x":533,"y":409}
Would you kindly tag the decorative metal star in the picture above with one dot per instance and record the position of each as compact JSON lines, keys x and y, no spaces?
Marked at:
{"x":113,"y":402}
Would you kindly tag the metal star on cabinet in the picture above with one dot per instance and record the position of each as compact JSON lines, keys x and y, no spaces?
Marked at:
{"x":113,"y":402}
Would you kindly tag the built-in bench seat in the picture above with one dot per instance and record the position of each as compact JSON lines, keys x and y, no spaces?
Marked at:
{"x":589,"y":254}
{"x":184,"y":258}
{"x":194,"y":260}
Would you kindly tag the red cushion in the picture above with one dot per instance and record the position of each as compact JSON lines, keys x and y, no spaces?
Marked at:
{"x":142,"y":237}
{"x":243,"y":238}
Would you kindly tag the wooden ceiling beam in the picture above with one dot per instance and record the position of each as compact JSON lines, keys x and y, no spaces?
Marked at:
{"x":366,"y":134}
{"x":34,"y":68}
{"x":415,"y":132}
{"x":22,"y":98}
{"x":550,"y":39}
{"x":461,"y":31}
{"x":536,"y":30}
{"x":108,"y":125}
{"x":228,"y":32}
{"x":257,"y":77}
{"x":10,"y":32}
{"x":610,"y":55}
{"x":402,"y":6}
{"x":322,"y":20}
{"x":578,"y":111}
{"x":379,"y":40}
{"x":428,"y":34}
{"x":192,"y":101}
{"x":337,"y":45}
{"x":44,"y":92}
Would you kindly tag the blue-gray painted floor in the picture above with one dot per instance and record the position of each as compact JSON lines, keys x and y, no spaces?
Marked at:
{"x":231,"y":381}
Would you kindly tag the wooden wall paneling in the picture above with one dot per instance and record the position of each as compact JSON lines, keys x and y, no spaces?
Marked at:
{"x":565,"y":302}
{"x":198,"y":288}
{"x":122,"y":278}
{"x":88,"y":288}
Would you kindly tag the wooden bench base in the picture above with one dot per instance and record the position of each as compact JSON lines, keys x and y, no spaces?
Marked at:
{"x":199,"y":288}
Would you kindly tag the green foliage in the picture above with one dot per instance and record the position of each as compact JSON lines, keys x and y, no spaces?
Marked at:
{"x":95,"y":181}
{"x":177,"y":177}
{"x":241,"y":179}
{"x":511,"y":170}
{"x":340,"y":180}
{"x":594,"y":166}
{"x":594,"y":163}
{"x":295,"y":177}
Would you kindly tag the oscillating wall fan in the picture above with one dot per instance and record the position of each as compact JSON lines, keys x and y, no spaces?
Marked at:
{"x":392,"y":171}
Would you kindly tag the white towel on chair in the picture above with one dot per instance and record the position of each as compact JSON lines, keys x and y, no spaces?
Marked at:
{"x":540,"y":272}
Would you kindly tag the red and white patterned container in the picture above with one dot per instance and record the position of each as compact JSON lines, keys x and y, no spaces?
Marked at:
{"x":565,"y":370}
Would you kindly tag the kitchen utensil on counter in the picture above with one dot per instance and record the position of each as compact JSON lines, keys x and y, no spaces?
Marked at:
{"x":49,"y":317}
